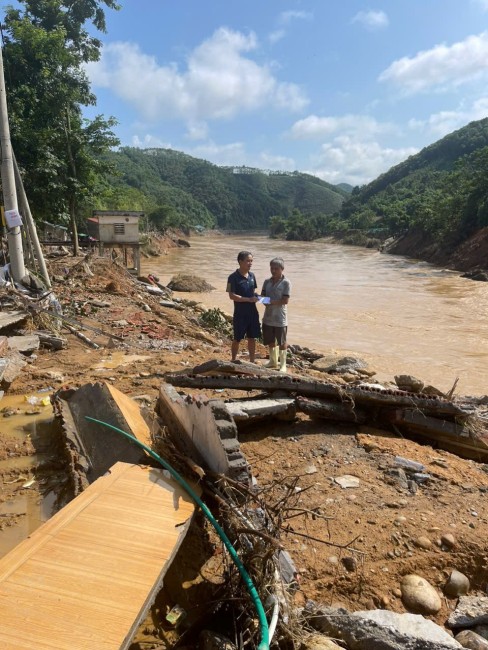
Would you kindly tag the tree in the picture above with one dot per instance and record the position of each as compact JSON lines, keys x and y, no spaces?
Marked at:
{"x":46,"y":45}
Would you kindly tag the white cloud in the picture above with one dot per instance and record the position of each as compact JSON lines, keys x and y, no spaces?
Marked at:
{"x":347,"y":159}
{"x":371,"y":19}
{"x":197,"y":130}
{"x":284,"y":20}
{"x":286,"y":17}
{"x":444,"y":122}
{"x":316,"y":127}
{"x":220,"y":80}
{"x":149,"y":141}
{"x":440,"y":67}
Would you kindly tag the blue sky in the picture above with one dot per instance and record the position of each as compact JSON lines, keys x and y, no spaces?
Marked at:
{"x":342,"y":90}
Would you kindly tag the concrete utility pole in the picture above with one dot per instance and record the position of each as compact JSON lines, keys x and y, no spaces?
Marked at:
{"x":14,"y":236}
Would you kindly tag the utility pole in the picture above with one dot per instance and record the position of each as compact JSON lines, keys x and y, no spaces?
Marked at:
{"x":14,"y":236}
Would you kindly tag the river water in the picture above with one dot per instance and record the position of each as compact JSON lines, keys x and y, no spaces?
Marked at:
{"x":400,"y":315}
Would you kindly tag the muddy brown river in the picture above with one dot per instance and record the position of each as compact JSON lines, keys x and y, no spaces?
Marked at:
{"x":401,"y":315}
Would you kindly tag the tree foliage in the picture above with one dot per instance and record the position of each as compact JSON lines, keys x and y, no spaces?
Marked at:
{"x":442,"y":191}
{"x":59,"y":152}
{"x":192,"y":191}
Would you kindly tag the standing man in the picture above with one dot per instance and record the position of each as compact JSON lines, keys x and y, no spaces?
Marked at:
{"x":275,"y":322}
{"x":241,"y":287}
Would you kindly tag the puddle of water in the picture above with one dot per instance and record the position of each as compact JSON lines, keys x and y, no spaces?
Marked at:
{"x":14,"y":426}
{"x":117,"y":359}
{"x":26,"y":509}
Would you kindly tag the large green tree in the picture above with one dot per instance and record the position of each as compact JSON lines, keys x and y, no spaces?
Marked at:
{"x":47,"y":43}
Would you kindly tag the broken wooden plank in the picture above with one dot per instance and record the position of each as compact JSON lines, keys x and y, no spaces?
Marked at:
{"x":257,"y":409}
{"x":329,"y":410}
{"x":458,"y":438}
{"x":87,"y":577}
{"x":315,"y":388}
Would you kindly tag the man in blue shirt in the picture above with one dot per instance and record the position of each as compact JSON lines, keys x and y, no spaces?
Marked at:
{"x":241,"y":287}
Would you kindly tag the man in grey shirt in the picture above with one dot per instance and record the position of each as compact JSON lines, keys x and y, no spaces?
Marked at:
{"x":276,"y":291}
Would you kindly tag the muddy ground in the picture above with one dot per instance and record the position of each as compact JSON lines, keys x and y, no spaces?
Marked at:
{"x":382,"y":522}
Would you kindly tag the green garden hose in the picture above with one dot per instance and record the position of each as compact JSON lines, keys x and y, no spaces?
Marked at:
{"x":263,"y":623}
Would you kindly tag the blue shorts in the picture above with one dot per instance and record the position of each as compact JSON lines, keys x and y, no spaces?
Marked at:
{"x":247,"y":325}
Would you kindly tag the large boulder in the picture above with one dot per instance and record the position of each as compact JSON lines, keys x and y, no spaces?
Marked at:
{"x":189,"y":283}
{"x":419,"y":596}
{"x":381,"y":630}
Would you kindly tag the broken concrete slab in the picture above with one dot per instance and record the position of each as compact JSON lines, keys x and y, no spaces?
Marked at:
{"x":10,"y":368}
{"x":3,"y":345}
{"x":25,"y":344}
{"x":258,"y":409}
{"x":9,"y":318}
{"x":271,"y":381}
{"x":217,"y":366}
{"x":204,"y":430}
{"x":93,"y":448}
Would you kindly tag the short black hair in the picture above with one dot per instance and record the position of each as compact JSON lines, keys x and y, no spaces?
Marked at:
{"x":242,"y":255}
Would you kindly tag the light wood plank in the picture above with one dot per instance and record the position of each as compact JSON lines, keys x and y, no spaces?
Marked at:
{"x":87,"y":577}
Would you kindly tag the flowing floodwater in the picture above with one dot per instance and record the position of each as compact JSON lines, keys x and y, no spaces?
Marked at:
{"x":401,"y":315}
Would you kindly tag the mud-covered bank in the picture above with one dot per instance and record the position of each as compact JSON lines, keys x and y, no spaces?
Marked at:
{"x":470,"y":256}
{"x":352,"y":541}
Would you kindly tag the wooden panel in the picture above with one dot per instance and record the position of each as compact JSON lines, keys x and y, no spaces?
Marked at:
{"x":86,"y":578}
{"x":130,"y":409}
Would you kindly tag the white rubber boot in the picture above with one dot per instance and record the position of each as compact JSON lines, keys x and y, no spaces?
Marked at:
{"x":273,"y":358}
{"x":282,"y":360}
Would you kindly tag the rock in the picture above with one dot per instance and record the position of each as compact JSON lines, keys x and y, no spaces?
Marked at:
{"x":470,"y":611}
{"x":423,"y":542}
{"x":432,"y":390}
{"x":320,"y":642}
{"x":457,"y":584}
{"x":347,"y":481}
{"x":210,"y":640}
{"x":419,"y":596}
{"x":409,"y":465}
{"x":337,"y":364}
{"x":25,"y":344}
{"x":191,"y":283}
{"x":350,"y":563}
{"x":409,"y":383}
{"x":399,"y":476}
{"x":448,"y":540}
{"x":477,"y":274}
{"x":381,"y":629}
{"x":482,"y":630}
{"x":471,"y":640}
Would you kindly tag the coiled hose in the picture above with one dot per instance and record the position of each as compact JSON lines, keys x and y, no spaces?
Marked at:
{"x":263,"y":623}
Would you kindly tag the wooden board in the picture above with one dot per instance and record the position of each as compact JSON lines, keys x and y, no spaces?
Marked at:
{"x":131,"y":411}
{"x":87,"y":577}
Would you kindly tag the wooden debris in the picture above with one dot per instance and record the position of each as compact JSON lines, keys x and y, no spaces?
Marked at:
{"x":329,"y":410}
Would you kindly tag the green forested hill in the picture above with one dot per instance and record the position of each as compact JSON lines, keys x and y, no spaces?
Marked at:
{"x":442,"y":191}
{"x":174,"y":188}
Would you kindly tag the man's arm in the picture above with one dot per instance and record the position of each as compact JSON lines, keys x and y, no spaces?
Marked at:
{"x":236,"y":298}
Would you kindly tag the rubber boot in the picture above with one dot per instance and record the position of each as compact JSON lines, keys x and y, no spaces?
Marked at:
{"x":282,"y":360}
{"x":273,"y":358}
